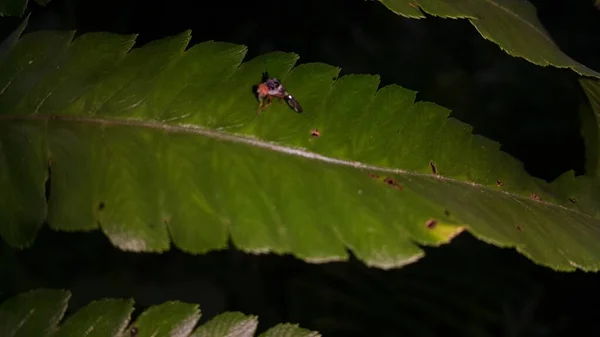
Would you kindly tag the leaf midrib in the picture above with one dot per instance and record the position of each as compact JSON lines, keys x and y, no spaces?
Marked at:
{"x":301,"y":152}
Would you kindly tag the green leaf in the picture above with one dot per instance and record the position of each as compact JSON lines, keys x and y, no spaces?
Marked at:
{"x":289,"y":330}
{"x":231,"y":324}
{"x":590,"y":124}
{"x":167,"y":319}
{"x":38,"y":312}
{"x":512,"y":25}
{"x":164,"y":145}
{"x":107,"y":317}
{"x":35,"y":313}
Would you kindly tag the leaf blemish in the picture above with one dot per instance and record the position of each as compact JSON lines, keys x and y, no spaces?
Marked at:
{"x":101,"y":205}
{"x":392,"y":182}
{"x":373,"y":175}
{"x":446,"y":212}
{"x":433,"y":168}
{"x":536,"y":197}
{"x":519,"y":228}
{"x":572,"y":200}
{"x":499,"y":183}
{"x":431,"y":223}
{"x":315,"y":133}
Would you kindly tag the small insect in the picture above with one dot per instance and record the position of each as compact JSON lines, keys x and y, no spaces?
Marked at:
{"x":272,"y":87}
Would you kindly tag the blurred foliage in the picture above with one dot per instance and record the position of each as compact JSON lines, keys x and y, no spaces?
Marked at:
{"x":40,"y":313}
{"x":513,"y":25}
{"x":455,"y":288}
{"x":12,"y":7}
{"x":590,"y":120}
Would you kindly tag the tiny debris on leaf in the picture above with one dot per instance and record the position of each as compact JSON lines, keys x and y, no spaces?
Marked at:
{"x":392,"y":182}
{"x":433,"y":168}
{"x":431,"y":223}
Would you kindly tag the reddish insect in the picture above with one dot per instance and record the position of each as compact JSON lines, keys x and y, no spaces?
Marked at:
{"x":272,"y":87}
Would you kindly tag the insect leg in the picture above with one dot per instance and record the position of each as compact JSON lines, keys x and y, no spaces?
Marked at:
{"x":260,"y":104}
{"x":264,"y":105}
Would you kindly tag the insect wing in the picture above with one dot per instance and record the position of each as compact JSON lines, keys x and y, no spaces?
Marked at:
{"x":291,"y":101}
{"x":265,"y":77}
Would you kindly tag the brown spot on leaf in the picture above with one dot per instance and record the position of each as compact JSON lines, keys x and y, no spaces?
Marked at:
{"x":433,"y":168}
{"x":572,"y":200}
{"x":315,"y":133}
{"x":413,"y":5}
{"x":446,"y":212}
{"x":392,"y":182}
{"x":499,"y":183}
{"x":519,"y":228}
{"x":101,"y":205}
{"x":431,"y":223}
{"x":535,"y":197}
{"x":373,"y":175}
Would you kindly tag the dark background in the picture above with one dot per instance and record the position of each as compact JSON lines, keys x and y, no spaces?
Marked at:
{"x":466,"y":288}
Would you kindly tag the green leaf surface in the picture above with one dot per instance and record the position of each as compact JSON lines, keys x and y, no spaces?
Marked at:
{"x":511,"y":24}
{"x":289,"y":330}
{"x":162,"y":145}
{"x":102,"y":318}
{"x":230,"y":324}
{"x":35,"y":313}
{"x":170,"y":319}
{"x":590,"y":124}
{"x":38,"y":312}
